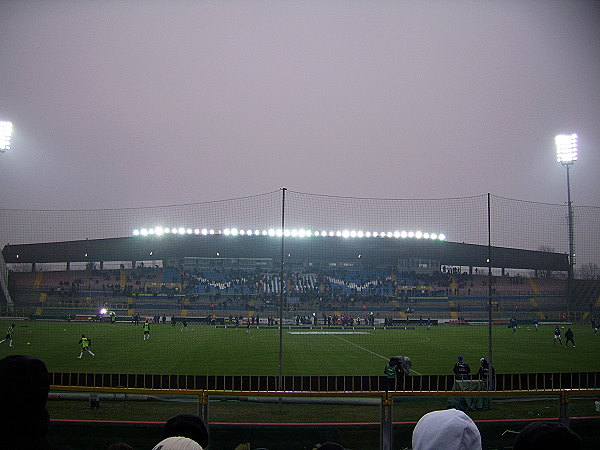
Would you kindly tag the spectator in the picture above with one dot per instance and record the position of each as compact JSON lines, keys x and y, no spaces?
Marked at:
{"x":547,"y":436}
{"x":24,"y":419}
{"x":120,"y":446}
{"x":177,"y":443}
{"x":449,"y":429}
{"x":187,"y":425}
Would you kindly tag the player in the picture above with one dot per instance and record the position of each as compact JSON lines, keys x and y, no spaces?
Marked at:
{"x":557,"y":335}
{"x":536,"y":323}
{"x":513,"y":324}
{"x":248,"y":326}
{"x":461,"y":369}
{"x":146,"y":328}
{"x":9,"y":335}
{"x":113,"y":320}
{"x":429,"y":324}
{"x":184,"y":322}
{"x":85,"y":346}
{"x":569,"y":337}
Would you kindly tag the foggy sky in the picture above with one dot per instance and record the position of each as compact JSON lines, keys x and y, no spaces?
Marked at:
{"x":143,"y":103}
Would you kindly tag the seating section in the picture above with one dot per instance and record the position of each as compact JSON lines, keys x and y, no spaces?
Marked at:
{"x":223,"y":292}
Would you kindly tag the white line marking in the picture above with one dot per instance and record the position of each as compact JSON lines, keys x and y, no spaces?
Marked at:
{"x":369,"y":351}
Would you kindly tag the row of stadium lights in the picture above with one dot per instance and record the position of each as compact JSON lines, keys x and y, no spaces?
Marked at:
{"x":301,"y":233}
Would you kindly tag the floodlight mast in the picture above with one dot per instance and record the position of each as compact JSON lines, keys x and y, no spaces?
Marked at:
{"x":566,"y":154}
{"x":6,"y":129}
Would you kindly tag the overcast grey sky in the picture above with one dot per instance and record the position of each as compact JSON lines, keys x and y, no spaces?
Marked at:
{"x":143,"y":103}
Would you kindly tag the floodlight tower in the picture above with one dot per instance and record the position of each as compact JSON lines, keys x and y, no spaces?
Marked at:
{"x":5,"y":135}
{"x":566,"y":154}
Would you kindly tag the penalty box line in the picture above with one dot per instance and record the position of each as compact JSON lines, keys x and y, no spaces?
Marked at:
{"x":369,"y":351}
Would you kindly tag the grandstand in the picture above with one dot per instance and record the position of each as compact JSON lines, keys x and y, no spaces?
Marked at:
{"x":396,"y":279}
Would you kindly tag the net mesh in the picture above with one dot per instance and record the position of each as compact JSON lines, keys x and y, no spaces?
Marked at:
{"x":353,"y":281}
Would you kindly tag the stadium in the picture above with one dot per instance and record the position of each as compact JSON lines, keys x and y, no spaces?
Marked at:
{"x":309,"y":310}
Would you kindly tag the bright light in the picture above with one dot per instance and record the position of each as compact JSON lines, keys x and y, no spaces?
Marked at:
{"x":103,"y":311}
{"x":6,"y":129}
{"x":295,"y":233}
{"x":566,"y":148}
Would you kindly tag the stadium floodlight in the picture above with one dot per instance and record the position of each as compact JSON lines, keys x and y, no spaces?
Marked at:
{"x":566,"y":148}
{"x":566,"y":154}
{"x":136,"y":232}
{"x":6,"y":129}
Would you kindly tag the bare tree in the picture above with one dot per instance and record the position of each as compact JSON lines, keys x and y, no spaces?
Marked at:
{"x":589,"y":271}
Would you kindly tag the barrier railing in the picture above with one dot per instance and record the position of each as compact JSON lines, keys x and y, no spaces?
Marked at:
{"x":317,"y":384}
{"x":386,"y":398}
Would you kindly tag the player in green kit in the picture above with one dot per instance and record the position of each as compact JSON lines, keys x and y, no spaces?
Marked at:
{"x":85,"y":346}
{"x":9,"y":335}
{"x":146,"y":328}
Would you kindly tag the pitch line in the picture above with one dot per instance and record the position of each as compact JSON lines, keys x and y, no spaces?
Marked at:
{"x":368,"y":351}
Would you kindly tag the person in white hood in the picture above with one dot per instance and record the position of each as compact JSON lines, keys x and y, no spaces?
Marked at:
{"x":448,"y":429}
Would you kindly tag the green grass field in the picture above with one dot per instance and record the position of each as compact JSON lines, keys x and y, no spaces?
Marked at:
{"x":205,"y":350}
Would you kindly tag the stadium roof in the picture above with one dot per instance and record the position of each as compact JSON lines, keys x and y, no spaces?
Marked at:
{"x":370,"y":252}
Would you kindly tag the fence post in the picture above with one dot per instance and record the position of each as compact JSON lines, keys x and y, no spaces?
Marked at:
{"x":385,"y":437}
{"x":564,"y":408}
{"x":203,"y":407}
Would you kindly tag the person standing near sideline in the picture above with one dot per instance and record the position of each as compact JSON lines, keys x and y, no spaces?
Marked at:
{"x":461,"y":369}
{"x":390,"y":372}
{"x":9,"y":335}
{"x":569,"y":337}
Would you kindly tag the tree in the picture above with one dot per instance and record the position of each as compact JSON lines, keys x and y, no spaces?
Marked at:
{"x":589,"y":271}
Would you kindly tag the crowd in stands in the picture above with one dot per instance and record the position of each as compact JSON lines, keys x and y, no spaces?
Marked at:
{"x":25,"y":421}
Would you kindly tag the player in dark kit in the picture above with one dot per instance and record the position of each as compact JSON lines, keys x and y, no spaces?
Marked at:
{"x":557,"y":335}
{"x":569,"y":337}
{"x":461,"y":369}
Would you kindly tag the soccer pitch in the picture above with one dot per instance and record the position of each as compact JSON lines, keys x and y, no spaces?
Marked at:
{"x":206,"y":350}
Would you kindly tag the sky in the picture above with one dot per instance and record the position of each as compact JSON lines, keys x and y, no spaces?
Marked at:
{"x":120,"y":104}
